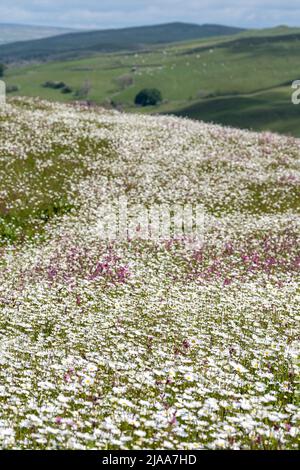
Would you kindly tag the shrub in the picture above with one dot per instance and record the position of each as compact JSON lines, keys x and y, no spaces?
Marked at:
{"x":47,"y":84}
{"x":12,"y":88}
{"x":148,"y":97}
{"x":54,"y":85}
{"x":66,"y":89}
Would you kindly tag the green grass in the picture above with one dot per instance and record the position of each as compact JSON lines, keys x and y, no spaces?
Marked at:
{"x":241,"y":80}
{"x":37,"y":188}
{"x":271,"y":110}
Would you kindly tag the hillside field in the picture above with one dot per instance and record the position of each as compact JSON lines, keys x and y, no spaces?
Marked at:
{"x":81,"y":44}
{"x":243,"y":81}
{"x":141,"y":343}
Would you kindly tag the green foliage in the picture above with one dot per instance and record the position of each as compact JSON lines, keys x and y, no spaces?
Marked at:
{"x":67,"y":89}
{"x":148,"y":97}
{"x":2,"y":69}
{"x":12,"y":88}
{"x":54,"y":85}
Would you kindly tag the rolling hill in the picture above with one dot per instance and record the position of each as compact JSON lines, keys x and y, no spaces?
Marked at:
{"x":140,"y":342}
{"x":86,"y":43}
{"x":14,"y":32}
{"x":242,"y":80}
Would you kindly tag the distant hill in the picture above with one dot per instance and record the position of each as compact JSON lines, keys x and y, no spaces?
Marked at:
{"x":84,"y":43}
{"x":240,"y":80}
{"x":13,"y":32}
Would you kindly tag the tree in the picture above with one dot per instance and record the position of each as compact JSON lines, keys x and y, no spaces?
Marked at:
{"x":148,"y":97}
{"x":124,"y":81}
{"x":85,"y":89}
{"x":2,"y":68}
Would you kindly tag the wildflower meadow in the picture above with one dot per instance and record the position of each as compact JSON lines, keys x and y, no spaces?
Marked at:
{"x":142,"y":343}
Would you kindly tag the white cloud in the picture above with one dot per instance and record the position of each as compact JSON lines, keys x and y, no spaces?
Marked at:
{"x":118,"y":13}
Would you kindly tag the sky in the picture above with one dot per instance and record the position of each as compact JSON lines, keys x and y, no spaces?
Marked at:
{"x":101,"y":14}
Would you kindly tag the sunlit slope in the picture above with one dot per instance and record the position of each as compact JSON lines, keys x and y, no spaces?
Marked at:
{"x":144,"y":343}
{"x":243,"y":81}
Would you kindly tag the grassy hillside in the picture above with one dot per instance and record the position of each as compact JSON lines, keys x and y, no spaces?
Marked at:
{"x":13,"y":32}
{"x":81,"y":44}
{"x":241,"y":80}
{"x":269,"y":110}
{"x":142,"y":342}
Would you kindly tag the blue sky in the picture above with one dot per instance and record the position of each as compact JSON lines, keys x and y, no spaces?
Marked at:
{"x":121,"y":13}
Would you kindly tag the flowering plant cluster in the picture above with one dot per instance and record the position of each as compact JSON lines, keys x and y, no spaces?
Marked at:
{"x":134,"y":344}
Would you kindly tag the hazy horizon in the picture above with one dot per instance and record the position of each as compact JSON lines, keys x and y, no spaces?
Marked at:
{"x":70,"y":28}
{"x":89,"y":14}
